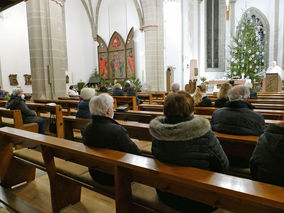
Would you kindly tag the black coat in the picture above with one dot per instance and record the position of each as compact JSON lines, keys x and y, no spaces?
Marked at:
{"x":132,"y":92}
{"x":206,"y":102}
{"x":220,"y":102}
{"x":238,"y":118}
{"x":83,"y":109}
{"x":186,"y":142}
{"x":253,"y":94}
{"x":117,"y":92}
{"x":16,"y":102}
{"x":267,"y":162}
{"x":104,"y":132}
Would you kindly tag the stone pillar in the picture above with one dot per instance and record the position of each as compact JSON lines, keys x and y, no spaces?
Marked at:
{"x":48,"y":52}
{"x":154,"y":44}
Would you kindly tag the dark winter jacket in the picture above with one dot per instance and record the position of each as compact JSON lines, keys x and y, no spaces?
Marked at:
{"x":132,"y":92}
{"x":83,"y":109}
{"x":104,"y":132}
{"x":186,"y":142}
{"x":267,"y":162}
{"x":253,"y":94}
{"x":238,"y":118}
{"x":16,"y":102}
{"x":206,"y":102}
{"x":220,"y":102}
{"x":117,"y":92}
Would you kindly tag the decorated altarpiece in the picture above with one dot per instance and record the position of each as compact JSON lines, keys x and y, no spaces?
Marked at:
{"x":117,"y":61}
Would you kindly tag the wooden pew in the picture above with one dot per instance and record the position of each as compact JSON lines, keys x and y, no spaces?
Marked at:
{"x":135,"y":114}
{"x":55,"y":110}
{"x":267,"y":113}
{"x":215,"y":189}
{"x":145,"y":97}
{"x":17,"y":122}
{"x":66,"y":104}
{"x":69,"y":98}
{"x":122,"y":100}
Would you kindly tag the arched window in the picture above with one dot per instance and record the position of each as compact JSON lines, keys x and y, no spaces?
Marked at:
{"x":256,"y":16}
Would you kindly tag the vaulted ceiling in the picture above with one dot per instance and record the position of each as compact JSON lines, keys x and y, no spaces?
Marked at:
{"x":5,"y":4}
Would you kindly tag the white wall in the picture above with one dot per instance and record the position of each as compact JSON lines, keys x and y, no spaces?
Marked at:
{"x":14,"y":47}
{"x":121,"y":17}
{"x":81,"y":48}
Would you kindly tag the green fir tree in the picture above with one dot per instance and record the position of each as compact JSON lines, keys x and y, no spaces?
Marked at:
{"x":247,"y":50}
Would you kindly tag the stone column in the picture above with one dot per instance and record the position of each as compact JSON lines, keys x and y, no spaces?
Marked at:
{"x":48,"y":52}
{"x":154,"y":44}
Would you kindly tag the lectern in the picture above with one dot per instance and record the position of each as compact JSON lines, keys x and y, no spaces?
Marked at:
{"x":272,"y":83}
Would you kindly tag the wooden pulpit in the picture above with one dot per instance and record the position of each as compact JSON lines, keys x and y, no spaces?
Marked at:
{"x":272,"y":83}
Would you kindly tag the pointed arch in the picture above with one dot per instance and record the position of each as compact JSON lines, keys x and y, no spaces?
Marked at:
{"x":263,"y":19}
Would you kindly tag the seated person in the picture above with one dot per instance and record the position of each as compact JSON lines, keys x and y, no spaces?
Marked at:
{"x":222,"y":96}
{"x":200,"y":98}
{"x":2,"y":93}
{"x":104,"y":132}
{"x":103,"y":88}
{"x":132,"y":92}
{"x":83,"y":106}
{"x":118,"y":90}
{"x":175,"y":87}
{"x":267,"y":161}
{"x":181,"y":139}
{"x":72,"y":91}
{"x":17,"y":101}
{"x":238,"y":117}
{"x":252,"y":93}
{"x":126,"y":86}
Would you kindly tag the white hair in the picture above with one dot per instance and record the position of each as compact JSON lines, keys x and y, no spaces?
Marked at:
{"x":248,"y":84}
{"x":87,"y":93}
{"x":17,"y":91}
{"x":99,"y":105}
{"x":175,"y":87}
{"x":239,"y":93}
{"x":118,"y":85}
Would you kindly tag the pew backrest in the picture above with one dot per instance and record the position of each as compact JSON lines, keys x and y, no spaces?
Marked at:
{"x":215,"y":189}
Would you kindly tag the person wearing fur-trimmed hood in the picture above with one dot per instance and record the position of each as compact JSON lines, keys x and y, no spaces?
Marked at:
{"x":184,"y":140}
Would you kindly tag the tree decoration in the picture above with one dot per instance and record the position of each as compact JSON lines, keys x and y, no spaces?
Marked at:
{"x":247,"y":50}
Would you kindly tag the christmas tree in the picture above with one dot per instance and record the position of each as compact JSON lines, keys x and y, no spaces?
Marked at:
{"x":247,"y":50}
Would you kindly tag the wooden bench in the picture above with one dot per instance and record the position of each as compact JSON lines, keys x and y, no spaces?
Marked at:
{"x":130,"y":100}
{"x":65,"y":104}
{"x":14,"y":118}
{"x":145,"y":97}
{"x":135,"y":177}
{"x":69,"y":98}
{"x":55,"y":110}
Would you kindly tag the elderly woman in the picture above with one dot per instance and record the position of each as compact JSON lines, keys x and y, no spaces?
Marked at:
{"x":175,"y":87}
{"x":238,"y":117}
{"x":267,"y":160}
{"x":200,"y":98}
{"x":222,"y":96}
{"x":17,"y":101}
{"x":104,"y":132}
{"x":118,"y":90}
{"x":181,"y":139}
{"x":83,"y":106}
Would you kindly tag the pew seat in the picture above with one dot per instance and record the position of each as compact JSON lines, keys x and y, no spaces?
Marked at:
{"x":143,"y":194}
{"x":223,"y":191}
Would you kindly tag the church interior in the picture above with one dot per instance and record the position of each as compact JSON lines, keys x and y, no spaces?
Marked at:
{"x":141,"y":105}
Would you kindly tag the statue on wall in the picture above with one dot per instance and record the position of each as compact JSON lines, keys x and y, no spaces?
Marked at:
{"x":13,"y":80}
{"x":28,"y":79}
